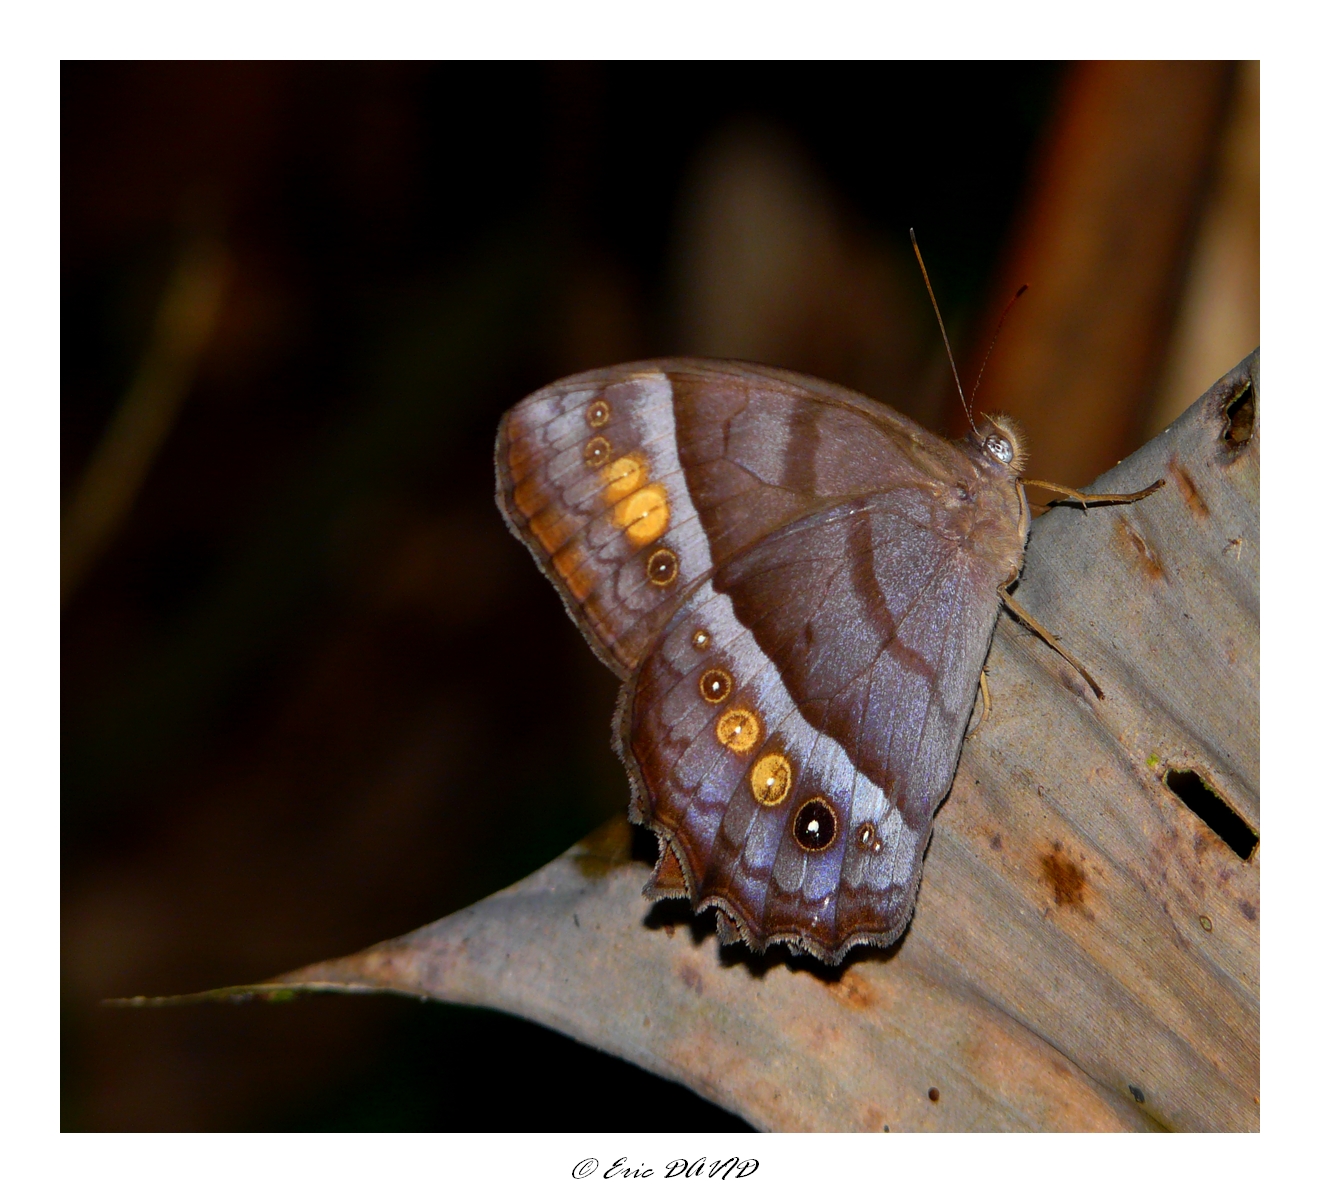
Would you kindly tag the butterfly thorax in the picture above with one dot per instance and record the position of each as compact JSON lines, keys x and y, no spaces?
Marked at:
{"x":981,"y":507}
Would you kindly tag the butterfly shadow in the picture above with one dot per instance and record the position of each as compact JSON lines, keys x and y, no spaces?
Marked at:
{"x":673,"y":915}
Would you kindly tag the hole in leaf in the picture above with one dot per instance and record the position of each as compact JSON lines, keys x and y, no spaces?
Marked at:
{"x":1240,"y":417}
{"x":1206,"y":802}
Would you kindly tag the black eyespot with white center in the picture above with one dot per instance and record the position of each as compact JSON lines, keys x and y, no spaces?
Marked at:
{"x":815,"y":825}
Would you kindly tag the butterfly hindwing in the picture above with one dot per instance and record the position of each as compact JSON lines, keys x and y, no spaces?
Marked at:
{"x":724,"y":778}
{"x":846,"y":662}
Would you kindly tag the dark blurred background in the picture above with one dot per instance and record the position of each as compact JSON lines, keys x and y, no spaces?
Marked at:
{"x":314,"y":693}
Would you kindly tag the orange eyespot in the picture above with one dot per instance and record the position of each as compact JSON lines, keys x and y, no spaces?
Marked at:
{"x":771,"y":778}
{"x":625,"y":475}
{"x":644,"y":516}
{"x":738,"y":730}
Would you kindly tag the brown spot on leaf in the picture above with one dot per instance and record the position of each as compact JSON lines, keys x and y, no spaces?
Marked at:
{"x":933,"y":1094}
{"x":1066,"y":878}
{"x":692,"y":978}
{"x":1132,"y":544}
{"x":852,"y":990}
{"x":608,"y":847}
{"x":1248,"y":910}
{"x":1187,"y":487}
{"x":996,"y":842}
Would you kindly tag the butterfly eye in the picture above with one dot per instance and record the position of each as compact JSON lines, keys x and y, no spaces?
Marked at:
{"x":1000,"y":448}
{"x":815,"y":825}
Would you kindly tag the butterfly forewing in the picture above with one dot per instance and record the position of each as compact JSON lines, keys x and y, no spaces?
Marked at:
{"x":761,"y":448}
{"x":589,"y":478}
{"x":804,"y":655}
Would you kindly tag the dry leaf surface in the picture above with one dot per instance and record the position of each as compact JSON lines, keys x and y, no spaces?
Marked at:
{"x":1085,"y":949}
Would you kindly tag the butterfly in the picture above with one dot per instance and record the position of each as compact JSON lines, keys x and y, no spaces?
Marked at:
{"x":797,"y":587}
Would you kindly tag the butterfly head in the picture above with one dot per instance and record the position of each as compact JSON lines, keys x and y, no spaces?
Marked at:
{"x":1003,"y":443}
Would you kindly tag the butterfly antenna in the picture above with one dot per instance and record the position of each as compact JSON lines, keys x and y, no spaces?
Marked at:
{"x":998,"y":328}
{"x":940,"y":319}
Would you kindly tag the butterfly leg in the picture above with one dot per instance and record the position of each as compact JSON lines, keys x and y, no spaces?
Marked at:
{"x":1049,"y":639}
{"x":985,"y":704}
{"x":1089,"y":499}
